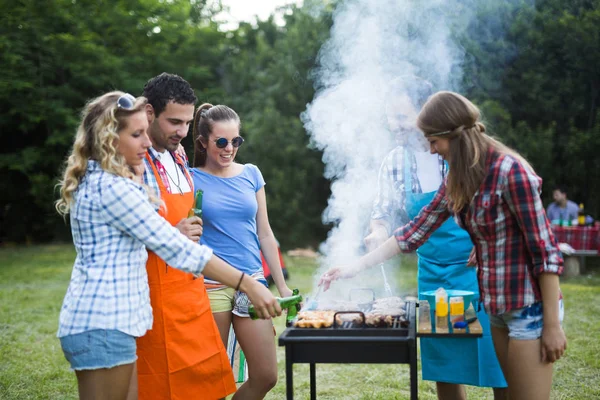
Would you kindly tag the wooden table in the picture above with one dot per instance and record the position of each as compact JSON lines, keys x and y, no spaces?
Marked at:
{"x":586,"y":242}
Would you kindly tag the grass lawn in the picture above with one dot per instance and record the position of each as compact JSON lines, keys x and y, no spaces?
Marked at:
{"x":33,"y":281}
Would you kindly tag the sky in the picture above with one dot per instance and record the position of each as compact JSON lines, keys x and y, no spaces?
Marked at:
{"x":247,"y":10}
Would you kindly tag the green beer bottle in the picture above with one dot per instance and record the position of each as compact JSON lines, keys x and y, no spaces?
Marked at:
{"x":292,"y":304}
{"x":197,"y":208}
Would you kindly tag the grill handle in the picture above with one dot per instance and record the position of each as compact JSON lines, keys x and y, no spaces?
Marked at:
{"x":362,"y":315}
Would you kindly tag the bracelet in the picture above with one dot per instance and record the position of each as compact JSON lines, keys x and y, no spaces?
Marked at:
{"x":240,"y":282}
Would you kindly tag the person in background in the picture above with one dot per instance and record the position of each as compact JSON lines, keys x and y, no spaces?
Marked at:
{"x":562,"y":210}
{"x":182,"y":355}
{"x":113,"y":221}
{"x":495,"y":195}
{"x":408,"y":180}
{"x":236,"y":223}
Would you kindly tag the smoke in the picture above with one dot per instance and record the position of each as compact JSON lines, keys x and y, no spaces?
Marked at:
{"x":372,"y":43}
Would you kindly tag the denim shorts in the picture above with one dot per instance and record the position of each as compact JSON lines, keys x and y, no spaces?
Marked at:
{"x":229,"y":300}
{"x":99,"y":348}
{"x":525,"y":323}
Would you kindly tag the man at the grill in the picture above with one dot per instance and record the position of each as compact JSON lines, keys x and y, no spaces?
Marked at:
{"x":494,"y":193}
{"x":408,"y":180}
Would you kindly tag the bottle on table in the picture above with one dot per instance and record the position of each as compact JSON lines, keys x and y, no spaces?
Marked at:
{"x":581,"y":215}
{"x":441,"y":311}
{"x":457,"y":309}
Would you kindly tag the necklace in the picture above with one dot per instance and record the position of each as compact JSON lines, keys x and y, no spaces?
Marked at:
{"x":178,"y":184}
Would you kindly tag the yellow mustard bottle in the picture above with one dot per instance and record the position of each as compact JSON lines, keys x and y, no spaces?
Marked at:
{"x":441,"y":316}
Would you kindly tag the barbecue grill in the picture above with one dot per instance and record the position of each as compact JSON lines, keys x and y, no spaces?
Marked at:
{"x":351,"y":342}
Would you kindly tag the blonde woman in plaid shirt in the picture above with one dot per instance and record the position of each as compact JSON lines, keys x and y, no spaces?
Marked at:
{"x":495,"y":195}
{"x":107,"y":305}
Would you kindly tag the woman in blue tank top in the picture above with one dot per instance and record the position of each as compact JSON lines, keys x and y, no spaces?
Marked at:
{"x":236,"y":227}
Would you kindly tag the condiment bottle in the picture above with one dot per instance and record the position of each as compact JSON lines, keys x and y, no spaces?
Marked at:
{"x":457,"y":310}
{"x":424,"y":317}
{"x":441,"y":313}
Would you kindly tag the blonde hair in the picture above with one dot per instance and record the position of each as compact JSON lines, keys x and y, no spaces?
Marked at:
{"x":97,"y":138}
{"x":452,"y":116}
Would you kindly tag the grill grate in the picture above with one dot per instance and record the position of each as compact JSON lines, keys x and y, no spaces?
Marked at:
{"x":352,"y":343}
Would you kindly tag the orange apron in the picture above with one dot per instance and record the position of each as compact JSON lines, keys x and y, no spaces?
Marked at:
{"x":182,"y":357}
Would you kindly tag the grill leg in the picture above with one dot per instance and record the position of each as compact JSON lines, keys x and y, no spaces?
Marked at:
{"x":313,"y":382}
{"x":412,"y":354}
{"x":289,"y":373}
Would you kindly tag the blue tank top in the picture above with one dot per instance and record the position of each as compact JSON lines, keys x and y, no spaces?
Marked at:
{"x":229,"y":210}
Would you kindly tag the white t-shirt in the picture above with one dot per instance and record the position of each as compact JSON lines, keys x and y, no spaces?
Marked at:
{"x":174,"y":173}
{"x":428,"y":171}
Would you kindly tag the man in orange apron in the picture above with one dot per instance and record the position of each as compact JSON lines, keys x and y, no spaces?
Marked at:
{"x":182,"y":357}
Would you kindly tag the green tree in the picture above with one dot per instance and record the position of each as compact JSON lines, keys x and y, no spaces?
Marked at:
{"x":57,"y":54}
{"x":266,"y":79}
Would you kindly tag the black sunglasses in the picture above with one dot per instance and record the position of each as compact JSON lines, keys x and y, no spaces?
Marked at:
{"x":126,"y":102}
{"x":235,"y":142}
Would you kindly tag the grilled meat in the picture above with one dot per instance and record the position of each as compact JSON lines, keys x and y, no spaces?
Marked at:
{"x":314,"y":319}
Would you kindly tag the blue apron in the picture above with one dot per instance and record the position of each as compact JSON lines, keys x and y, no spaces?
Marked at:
{"x":442,"y":263}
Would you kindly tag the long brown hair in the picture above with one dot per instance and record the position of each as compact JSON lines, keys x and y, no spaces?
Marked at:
{"x":204,"y":120}
{"x":452,"y":116}
{"x":96,"y":139}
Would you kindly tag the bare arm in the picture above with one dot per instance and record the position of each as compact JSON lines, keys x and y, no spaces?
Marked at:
{"x":268,"y":244}
{"x":266,"y":305}
{"x":387,"y":250}
{"x":385,"y":204}
{"x":554,"y":341}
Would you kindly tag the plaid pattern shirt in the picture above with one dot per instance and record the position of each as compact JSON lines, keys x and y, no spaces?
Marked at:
{"x":388,"y":205}
{"x":150,"y":180}
{"x":508,"y":225}
{"x":112,"y":223}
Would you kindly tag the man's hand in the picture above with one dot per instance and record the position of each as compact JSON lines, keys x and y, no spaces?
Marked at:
{"x":336,"y":273}
{"x":472,"y":261}
{"x":191,"y":227}
{"x":376,"y":238}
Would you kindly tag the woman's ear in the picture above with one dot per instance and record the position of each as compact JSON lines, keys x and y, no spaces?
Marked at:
{"x":203,"y":142}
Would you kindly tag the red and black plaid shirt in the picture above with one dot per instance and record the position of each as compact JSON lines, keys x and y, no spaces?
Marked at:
{"x":507,"y":223}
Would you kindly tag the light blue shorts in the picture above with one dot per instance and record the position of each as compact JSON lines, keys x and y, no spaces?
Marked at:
{"x":525,"y":323}
{"x":99,"y":348}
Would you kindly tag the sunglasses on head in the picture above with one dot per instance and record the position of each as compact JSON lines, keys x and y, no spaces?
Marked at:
{"x":235,"y":142}
{"x":126,"y":102}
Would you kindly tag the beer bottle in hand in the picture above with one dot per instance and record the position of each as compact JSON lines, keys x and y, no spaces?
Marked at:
{"x":197,"y":207}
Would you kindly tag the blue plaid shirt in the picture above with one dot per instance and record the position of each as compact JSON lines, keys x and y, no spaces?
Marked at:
{"x":112,"y":222}
{"x":388,"y":205}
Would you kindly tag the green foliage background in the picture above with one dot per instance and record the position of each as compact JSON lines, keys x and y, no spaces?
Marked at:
{"x":532,"y":67}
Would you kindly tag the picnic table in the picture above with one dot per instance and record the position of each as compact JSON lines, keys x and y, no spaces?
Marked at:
{"x":584,"y":239}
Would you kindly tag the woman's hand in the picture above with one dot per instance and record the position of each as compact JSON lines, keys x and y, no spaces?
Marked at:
{"x":264,"y":302}
{"x":472,"y":261}
{"x":285,"y":292}
{"x":554,"y":343}
{"x":337,"y":273}
{"x":180,"y":151}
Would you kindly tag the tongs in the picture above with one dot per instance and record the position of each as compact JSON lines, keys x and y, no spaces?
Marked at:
{"x":312,"y":304}
{"x":386,"y":285}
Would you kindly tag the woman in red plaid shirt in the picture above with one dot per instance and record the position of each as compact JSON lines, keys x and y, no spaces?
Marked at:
{"x":494,"y":194}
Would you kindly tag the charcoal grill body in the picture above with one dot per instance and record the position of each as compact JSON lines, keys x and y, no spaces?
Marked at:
{"x":356,"y":345}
